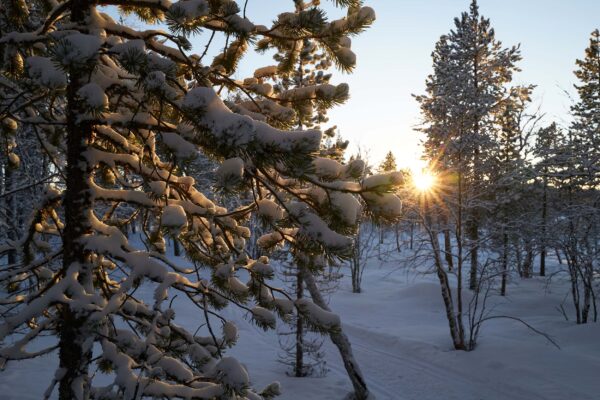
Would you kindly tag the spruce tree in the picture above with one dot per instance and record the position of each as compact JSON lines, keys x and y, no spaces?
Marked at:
{"x":585,"y":128}
{"x":567,"y":167}
{"x":579,"y":184}
{"x":548,"y":141}
{"x":508,"y":219}
{"x":388,"y":164}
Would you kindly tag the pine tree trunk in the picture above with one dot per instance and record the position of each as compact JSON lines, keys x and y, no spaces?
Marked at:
{"x":473,"y":226}
{"x":11,"y":211}
{"x":543,"y":261}
{"x":355,"y":263}
{"x":459,"y":255}
{"x":3,"y":166}
{"x":543,"y":233}
{"x":575,"y":291}
{"x":397,"y":229}
{"x":74,"y":354}
{"x":528,"y":264}
{"x":519,"y":257}
{"x":381,"y":234}
{"x":504,"y":263}
{"x":340,"y":340}
{"x":473,"y":232}
{"x":447,"y":244}
{"x":557,"y":252}
{"x":585,"y":309}
{"x":299,"y":366}
{"x":176,"y":248}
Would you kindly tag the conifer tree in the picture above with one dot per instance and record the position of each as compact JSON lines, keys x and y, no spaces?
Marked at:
{"x":549,"y":141}
{"x":472,"y":71}
{"x":508,"y":219}
{"x":465,"y":96}
{"x":585,"y":128}
{"x":120,"y":112}
{"x":567,"y":166}
{"x":389,"y":163}
{"x":579,"y":184}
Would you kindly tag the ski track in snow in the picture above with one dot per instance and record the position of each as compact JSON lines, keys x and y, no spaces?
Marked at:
{"x":414,"y":377}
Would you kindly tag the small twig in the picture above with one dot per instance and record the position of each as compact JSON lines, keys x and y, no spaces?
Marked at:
{"x":5,"y":194}
{"x":545,"y":335}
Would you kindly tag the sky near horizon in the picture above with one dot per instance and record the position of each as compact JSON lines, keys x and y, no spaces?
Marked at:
{"x":394,"y":59}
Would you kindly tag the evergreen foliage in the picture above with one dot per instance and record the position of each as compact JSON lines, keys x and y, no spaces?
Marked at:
{"x":389,"y":163}
{"x":122,"y":114}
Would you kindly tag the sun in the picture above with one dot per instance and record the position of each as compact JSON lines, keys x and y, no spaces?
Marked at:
{"x":423,"y":180}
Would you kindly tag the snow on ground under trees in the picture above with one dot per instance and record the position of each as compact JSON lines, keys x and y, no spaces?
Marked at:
{"x":400,"y":337}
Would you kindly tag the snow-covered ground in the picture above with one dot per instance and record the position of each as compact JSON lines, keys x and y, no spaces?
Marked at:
{"x":400,"y":337}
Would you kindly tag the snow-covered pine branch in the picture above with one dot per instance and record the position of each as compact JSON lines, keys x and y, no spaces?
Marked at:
{"x":119,"y":113}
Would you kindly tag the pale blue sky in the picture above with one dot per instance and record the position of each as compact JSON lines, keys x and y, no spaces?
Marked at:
{"x":394,"y":60}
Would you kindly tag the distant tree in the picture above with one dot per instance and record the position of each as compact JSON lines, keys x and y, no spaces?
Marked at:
{"x":586,"y":111}
{"x":388,"y":164}
{"x":511,"y":214}
{"x":567,"y":166}
{"x":410,"y":211}
{"x":300,"y":341}
{"x":24,"y":168}
{"x":548,"y":141}
{"x":579,"y":183}
{"x":366,"y":247}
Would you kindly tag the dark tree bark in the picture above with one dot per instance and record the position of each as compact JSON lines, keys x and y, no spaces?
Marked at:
{"x":11,"y":211}
{"x":543,"y":228}
{"x":176,"y":248}
{"x":473,"y":232}
{"x":504,"y":264}
{"x":299,"y":365}
{"x":74,"y":354}
{"x":398,"y":233}
{"x":557,"y":252}
{"x":447,"y":244}
{"x":528,"y":264}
